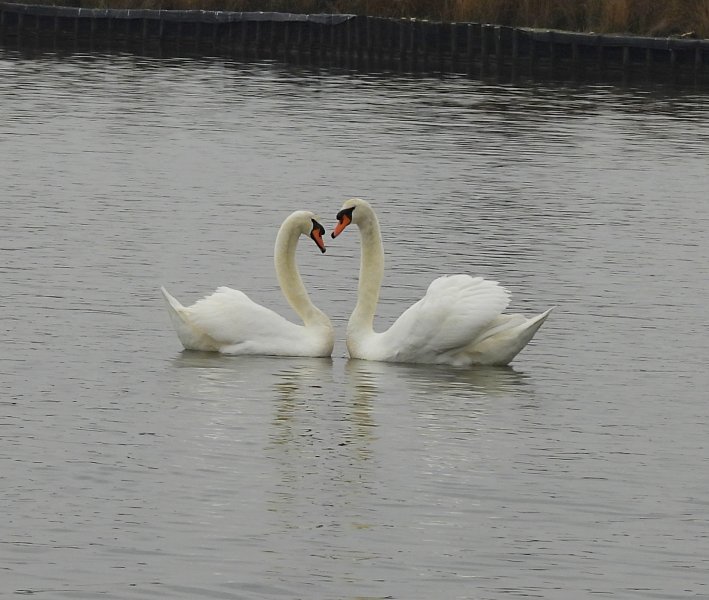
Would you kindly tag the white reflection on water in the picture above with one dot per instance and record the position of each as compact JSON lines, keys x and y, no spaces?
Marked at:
{"x":433,"y":382}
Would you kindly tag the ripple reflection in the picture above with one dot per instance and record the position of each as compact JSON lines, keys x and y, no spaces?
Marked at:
{"x":432,"y":382}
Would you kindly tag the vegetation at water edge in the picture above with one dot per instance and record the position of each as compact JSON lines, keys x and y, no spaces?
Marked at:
{"x":643,"y":17}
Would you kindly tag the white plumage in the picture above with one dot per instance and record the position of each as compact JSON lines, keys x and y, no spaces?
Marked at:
{"x":458,"y":322}
{"x":228,"y":321}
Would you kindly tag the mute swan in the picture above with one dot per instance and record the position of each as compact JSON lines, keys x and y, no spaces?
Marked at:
{"x":228,"y":321}
{"x":457,"y":322}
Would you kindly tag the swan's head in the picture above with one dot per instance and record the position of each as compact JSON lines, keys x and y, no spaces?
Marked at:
{"x":304,"y":222}
{"x":352,"y":211}
{"x":316,"y":233}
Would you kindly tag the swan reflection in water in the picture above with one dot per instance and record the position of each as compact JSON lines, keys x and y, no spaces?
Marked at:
{"x":324,"y":433}
{"x":336,"y":408}
{"x":313,"y":406}
{"x":254,"y":375}
{"x":313,"y":384}
{"x":433,"y":382}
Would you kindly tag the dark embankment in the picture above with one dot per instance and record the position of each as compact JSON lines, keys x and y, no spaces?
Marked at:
{"x":305,"y":32}
{"x":641,"y":17}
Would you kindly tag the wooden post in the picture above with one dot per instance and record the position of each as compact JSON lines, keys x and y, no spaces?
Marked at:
{"x":348,"y":36}
{"x":454,"y":41}
{"x":287,"y":27}
{"x":424,"y":27}
{"x":243,"y":35}
{"x":258,"y":36}
{"x":375,"y":33}
{"x":356,"y":37}
{"x":343,"y":44}
{"x":385,"y":39}
{"x":272,"y":39}
{"x":600,"y":56}
{"x":321,"y":40}
{"x":698,"y":59}
{"x":329,"y":39}
{"x":290,"y":37}
{"x":228,"y":34}
{"x":673,"y":64}
{"x":484,"y":44}
{"x":575,"y":54}
{"x":626,"y":57}
{"x":335,"y":40}
{"x":402,"y":38}
{"x":468,"y":46}
{"x":388,"y":39}
{"x":498,"y":45}
{"x":308,"y":37}
{"x":324,"y":39}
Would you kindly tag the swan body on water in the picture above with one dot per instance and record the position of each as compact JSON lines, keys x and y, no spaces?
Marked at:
{"x":228,"y":321}
{"x":458,"y":322}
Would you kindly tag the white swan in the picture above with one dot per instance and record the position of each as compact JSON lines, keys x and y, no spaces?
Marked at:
{"x":230,"y":322}
{"x":457,"y":322}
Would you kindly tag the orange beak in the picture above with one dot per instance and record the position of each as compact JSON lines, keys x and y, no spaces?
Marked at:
{"x":340,"y":227}
{"x":317,"y":238}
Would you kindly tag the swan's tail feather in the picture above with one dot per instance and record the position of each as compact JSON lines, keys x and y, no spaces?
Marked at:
{"x":508,"y":341}
{"x":532,"y":326}
{"x":539,"y":319}
{"x":191,"y":337}
{"x":172,"y":302}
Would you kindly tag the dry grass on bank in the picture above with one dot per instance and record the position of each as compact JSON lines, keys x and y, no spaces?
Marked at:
{"x":645,"y":17}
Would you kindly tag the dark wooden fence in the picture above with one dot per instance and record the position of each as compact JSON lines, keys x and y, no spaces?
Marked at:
{"x":406,"y":43}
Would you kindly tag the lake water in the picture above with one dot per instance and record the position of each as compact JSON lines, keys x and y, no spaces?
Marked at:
{"x":130,"y":469}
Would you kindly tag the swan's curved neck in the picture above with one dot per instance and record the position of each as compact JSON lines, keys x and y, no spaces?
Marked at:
{"x":371,"y":272}
{"x":289,"y":277}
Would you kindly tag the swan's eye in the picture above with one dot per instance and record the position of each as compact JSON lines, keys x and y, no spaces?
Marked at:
{"x":344,"y":218}
{"x":345,"y":212}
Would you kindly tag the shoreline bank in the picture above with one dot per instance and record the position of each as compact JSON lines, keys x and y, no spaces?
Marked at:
{"x":650,"y":18}
{"x":407,"y":44}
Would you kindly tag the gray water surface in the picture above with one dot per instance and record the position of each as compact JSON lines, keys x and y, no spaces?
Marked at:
{"x":130,"y":469}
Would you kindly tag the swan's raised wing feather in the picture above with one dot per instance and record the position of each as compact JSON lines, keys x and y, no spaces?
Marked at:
{"x":453,"y":312}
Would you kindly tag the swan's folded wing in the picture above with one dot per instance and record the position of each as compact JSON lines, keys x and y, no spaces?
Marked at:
{"x":453,"y":312}
{"x":230,"y":317}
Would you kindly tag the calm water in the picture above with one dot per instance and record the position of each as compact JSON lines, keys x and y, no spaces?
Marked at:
{"x":130,"y":469}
